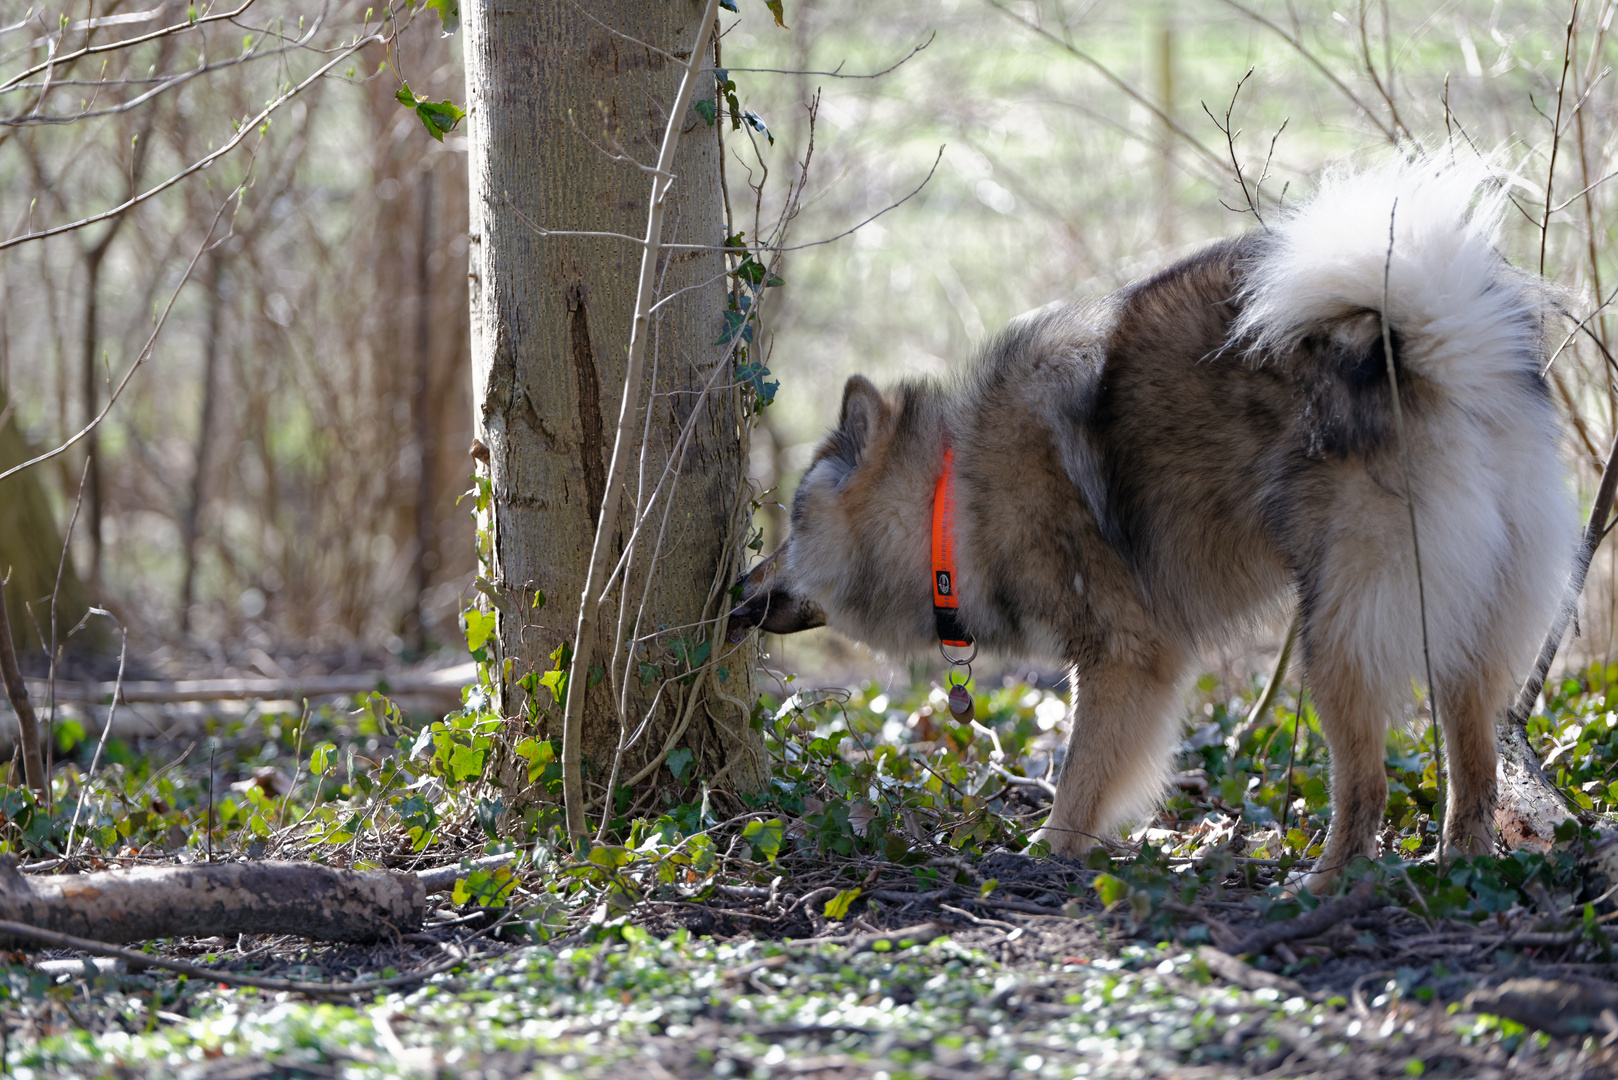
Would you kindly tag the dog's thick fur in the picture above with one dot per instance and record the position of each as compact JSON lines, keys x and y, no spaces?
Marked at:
{"x":1142,"y":475}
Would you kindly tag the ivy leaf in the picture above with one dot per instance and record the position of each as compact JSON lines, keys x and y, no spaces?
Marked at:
{"x":734,"y":321}
{"x":837,"y":906}
{"x":488,"y":815}
{"x":1111,"y":889}
{"x":765,"y":837}
{"x":465,"y":763}
{"x":751,"y":271}
{"x":756,"y":122}
{"x":449,"y":12}
{"x":437,"y":116}
{"x":479,"y":625}
{"x":679,"y":762}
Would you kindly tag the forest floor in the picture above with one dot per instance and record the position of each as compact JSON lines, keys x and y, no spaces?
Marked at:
{"x":869,"y":917}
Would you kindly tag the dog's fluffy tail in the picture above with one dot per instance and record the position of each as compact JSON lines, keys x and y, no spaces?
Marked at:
{"x":1496,"y":520}
{"x":1466,"y":319}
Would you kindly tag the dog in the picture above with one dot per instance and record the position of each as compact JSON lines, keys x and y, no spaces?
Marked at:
{"x":1130,"y":479}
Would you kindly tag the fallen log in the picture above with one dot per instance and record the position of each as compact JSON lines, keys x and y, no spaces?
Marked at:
{"x":444,"y":684}
{"x":208,"y":899}
{"x":1555,"y":1006}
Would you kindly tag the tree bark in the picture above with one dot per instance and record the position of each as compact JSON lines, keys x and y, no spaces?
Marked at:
{"x":553,"y":97}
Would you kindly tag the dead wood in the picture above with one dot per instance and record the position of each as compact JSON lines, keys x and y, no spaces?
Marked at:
{"x":1555,"y":1006}
{"x":1231,"y":969}
{"x":920,"y":934}
{"x":1529,"y":807}
{"x":207,"y":899}
{"x":444,"y":686}
{"x":1363,"y":898}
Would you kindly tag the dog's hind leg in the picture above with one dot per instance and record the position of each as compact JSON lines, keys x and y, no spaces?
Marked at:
{"x":1125,"y":723}
{"x":1468,"y":704}
{"x":1354,"y":719}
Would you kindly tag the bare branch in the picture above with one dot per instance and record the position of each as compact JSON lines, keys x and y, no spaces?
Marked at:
{"x":204,"y":162}
{"x":146,"y":350}
{"x":114,"y":46}
{"x":1106,"y":73}
{"x":1319,"y":65}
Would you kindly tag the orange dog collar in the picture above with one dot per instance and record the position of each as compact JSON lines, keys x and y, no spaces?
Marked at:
{"x":946,"y":584}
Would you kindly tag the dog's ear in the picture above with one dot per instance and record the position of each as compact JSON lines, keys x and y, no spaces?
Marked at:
{"x":863,"y":412}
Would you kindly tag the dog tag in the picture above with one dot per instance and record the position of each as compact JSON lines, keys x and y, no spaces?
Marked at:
{"x":960,"y":703}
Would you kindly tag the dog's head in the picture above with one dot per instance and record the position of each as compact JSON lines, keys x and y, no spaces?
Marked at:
{"x":859,"y":522}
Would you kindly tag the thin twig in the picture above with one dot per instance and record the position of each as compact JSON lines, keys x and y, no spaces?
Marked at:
{"x":1319,"y":65}
{"x":1133,"y":94}
{"x":1594,"y":530}
{"x":58,"y":61}
{"x":1255,"y":715}
{"x":1556,"y":136}
{"x":1415,"y":539}
{"x":101,"y":744}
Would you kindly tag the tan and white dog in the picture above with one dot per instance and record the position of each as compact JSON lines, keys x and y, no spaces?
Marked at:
{"x":1141,"y":475}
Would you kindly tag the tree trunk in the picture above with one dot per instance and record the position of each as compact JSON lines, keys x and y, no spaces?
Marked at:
{"x":31,"y":548}
{"x":553,"y":97}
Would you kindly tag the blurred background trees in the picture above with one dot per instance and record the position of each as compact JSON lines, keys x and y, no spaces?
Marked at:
{"x":282,"y":473}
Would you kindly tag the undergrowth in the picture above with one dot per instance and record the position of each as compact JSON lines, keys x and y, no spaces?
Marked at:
{"x":862,"y":778}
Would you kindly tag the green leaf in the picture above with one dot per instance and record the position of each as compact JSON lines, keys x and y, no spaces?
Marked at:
{"x":320,"y":758}
{"x":775,"y":9}
{"x":708,"y":110}
{"x":488,"y":815}
{"x":449,"y":13}
{"x":69,"y":733}
{"x":988,"y":888}
{"x":465,"y":763}
{"x":611,"y":857}
{"x":479,"y":625}
{"x":556,"y":683}
{"x":1110,"y":889}
{"x":679,"y":762}
{"x":734,"y":321}
{"x":765,"y":837}
{"x":436,"y":116}
{"x":837,"y":906}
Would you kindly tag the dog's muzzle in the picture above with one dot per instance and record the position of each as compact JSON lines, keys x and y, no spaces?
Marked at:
{"x":768,"y":605}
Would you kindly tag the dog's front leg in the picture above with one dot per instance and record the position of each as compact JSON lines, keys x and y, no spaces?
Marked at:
{"x":1124,"y":727}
